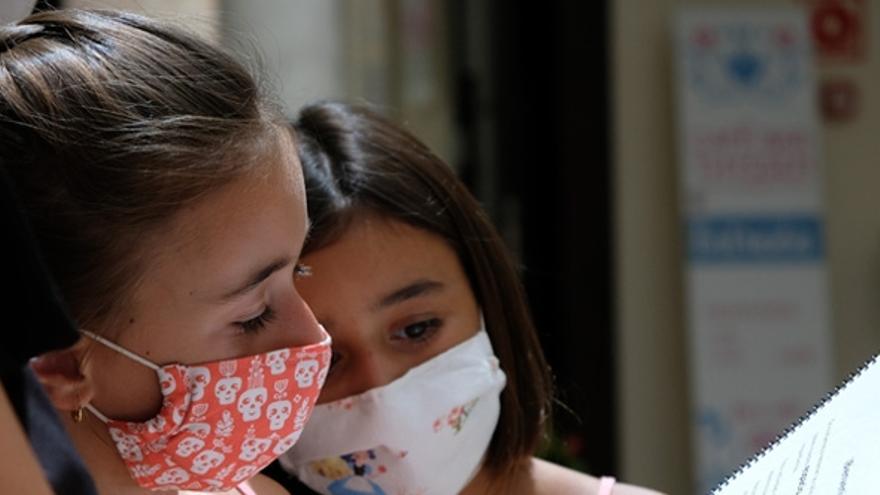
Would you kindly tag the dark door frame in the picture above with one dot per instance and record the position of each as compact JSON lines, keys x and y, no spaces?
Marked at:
{"x":549,"y":100}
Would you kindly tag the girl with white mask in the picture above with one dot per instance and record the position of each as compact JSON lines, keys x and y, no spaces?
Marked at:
{"x":438,"y":384}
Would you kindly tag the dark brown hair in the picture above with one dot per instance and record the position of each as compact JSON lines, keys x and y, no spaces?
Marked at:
{"x":109,"y":124}
{"x":356,"y":162}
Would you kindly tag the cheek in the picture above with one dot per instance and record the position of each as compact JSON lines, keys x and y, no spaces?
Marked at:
{"x":359,"y":370}
{"x":124,"y":389}
{"x":458,"y":331}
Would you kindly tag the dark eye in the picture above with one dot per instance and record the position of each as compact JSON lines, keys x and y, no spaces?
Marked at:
{"x":334,"y":359}
{"x":419,"y":331}
{"x":259,"y":322}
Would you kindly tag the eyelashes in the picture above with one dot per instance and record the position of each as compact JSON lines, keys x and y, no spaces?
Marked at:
{"x":418,"y":332}
{"x":258,"y":322}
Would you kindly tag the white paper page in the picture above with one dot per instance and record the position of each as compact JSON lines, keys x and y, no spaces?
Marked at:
{"x":833,"y":451}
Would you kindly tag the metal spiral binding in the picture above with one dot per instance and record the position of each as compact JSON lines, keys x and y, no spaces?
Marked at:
{"x":797,"y":423}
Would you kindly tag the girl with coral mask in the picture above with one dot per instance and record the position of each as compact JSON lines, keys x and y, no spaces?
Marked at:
{"x":161,"y":186}
{"x":438,"y":384}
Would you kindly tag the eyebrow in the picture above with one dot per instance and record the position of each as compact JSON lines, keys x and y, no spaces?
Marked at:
{"x":258,"y":277}
{"x":261,"y":275}
{"x":411,"y":291}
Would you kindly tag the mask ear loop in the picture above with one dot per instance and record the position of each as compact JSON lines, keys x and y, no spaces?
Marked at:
{"x":77,"y":414}
{"x":121,"y":350}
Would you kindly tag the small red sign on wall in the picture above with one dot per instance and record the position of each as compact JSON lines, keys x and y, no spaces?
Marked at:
{"x":839,"y":100}
{"x":839,"y":29}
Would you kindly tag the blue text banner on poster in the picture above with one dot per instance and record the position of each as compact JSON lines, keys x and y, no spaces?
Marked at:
{"x":735,"y":239}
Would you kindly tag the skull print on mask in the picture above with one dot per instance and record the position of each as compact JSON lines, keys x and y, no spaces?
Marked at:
{"x":213,"y":436}
{"x":277,"y":361}
{"x":306,"y":370}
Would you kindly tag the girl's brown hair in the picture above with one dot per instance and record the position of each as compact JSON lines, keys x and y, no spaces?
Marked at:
{"x":356,"y":162}
{"x":109,"y":124}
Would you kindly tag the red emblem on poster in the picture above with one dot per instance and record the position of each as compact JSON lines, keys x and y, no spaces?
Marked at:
{"x":838,"y":28}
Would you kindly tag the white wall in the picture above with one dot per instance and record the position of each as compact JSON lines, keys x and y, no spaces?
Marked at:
{"x":388,"y":53}
{"x":298,"y":44}
{"x":651,"y":339}
{"x":202,"y":16}
{"x":299,"y":41}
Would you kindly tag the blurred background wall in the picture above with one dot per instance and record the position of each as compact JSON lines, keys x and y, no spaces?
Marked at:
{"x":652,"y":351}
{"x":561,"y":117}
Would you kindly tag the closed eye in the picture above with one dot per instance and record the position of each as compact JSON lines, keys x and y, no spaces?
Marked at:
{"x":258,"y":322}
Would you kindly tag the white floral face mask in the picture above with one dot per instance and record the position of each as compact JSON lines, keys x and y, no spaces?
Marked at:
{"x":424,"y":433}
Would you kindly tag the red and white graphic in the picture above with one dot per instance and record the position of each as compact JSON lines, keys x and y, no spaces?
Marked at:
{"x":838,"y":29}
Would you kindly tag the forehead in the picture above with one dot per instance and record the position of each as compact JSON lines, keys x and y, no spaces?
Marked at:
{"x":373,"y":256}
{"x":274,"y":185}
{"x":381,"y":240}
{"x":256,"y":218}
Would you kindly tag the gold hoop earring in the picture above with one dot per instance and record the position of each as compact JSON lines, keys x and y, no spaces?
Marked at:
{"x":77,"y":414}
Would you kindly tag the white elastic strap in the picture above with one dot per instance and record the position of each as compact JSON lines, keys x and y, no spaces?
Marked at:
{"x":97,"y":413}
{"x":125,"y":352}
{"x":327,"y":340}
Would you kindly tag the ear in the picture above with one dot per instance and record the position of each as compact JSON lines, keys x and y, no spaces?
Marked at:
{"x":60,"y":374}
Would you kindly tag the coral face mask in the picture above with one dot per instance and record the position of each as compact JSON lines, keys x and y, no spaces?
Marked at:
{"x":221,"y":422}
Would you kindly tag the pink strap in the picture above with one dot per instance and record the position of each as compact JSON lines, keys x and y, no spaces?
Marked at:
{"x":606,"y":485}
{"x":245,"y":489}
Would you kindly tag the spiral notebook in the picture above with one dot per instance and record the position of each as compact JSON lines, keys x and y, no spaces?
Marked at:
{"x":832,"y":450}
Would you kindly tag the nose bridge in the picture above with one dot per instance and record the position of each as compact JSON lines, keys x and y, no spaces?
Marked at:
{"x":305,"y":328}
{"x":375,"y":369}
{"x":364,"y":359}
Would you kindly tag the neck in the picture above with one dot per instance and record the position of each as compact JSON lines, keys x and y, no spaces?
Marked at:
{"x":487,"y":482}
{"x":93,"y":442}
